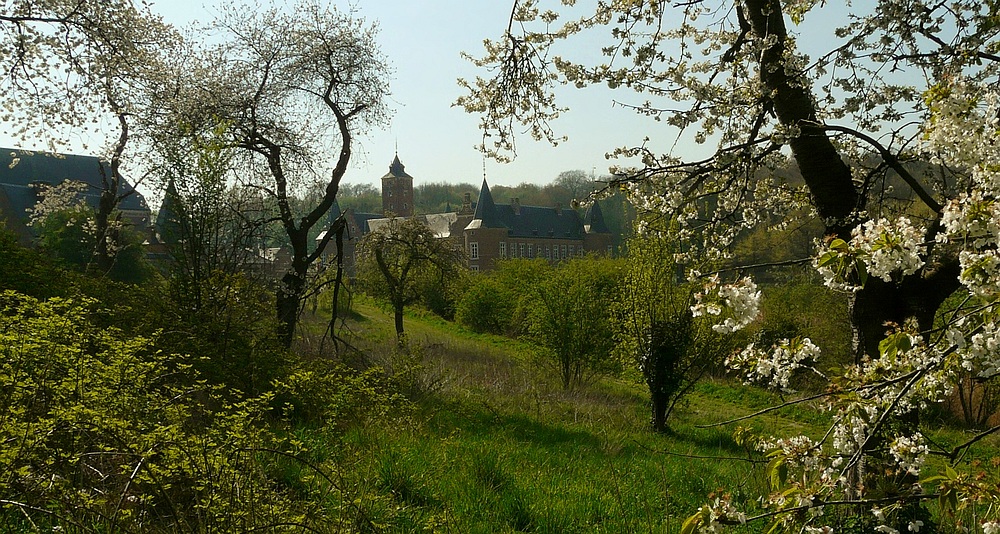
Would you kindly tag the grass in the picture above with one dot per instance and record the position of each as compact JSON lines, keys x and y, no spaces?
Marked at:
{"x":495,"y":444}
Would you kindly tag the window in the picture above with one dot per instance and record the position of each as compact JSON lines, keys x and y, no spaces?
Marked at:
{"x":531,"y":250}
{"x":503,"y":249}
{"x":520,"y":248}
{"x":548,"y":253}
{"x":473,"y":251}
{"x":571,"y":251}
{"x":563,"y":252}
{"x":474,"y":268}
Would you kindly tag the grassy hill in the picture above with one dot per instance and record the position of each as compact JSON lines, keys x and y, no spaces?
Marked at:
{"x":493,"y":444}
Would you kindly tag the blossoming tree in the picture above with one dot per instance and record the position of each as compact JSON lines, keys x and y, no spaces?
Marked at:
{"x":71,"y":65}
{"x":892,"y":128}
{"x":293,"y":87}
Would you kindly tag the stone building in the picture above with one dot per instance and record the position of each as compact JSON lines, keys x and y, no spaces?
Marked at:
{"x":489,"y":232}
{"x":397,"y":191}
{"x":501,"y":231}
{"x":23,"y":181}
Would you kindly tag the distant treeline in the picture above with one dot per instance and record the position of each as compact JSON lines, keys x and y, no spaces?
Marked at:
{"x":439,"y":197}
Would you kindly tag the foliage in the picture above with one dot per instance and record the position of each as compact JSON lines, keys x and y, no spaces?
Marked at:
{"x":67,"y":229}
{"x":499,"y":302}
{"x":104,"y":432}
{"x":293,"y":88}
{"x":403,"y":259}
{"x":571,"y":317}
{"x":656,"y":331}
{"x":28,"y":271}
{"x":897,"y":81}
{"x":77,"y":65}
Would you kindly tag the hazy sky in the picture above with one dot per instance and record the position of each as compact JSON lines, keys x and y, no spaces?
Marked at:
{"x":423,"y":41}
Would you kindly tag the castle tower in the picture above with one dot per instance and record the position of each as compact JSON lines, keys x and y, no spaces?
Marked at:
{"x":397,"y":191}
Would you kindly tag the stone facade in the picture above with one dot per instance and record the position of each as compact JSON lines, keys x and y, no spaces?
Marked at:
{"x":486,"y":231}
{"x":501,"y":231}
{"x":397,"y":191}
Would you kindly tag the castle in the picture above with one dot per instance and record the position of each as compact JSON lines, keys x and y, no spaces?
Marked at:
{"x":485,"y":230}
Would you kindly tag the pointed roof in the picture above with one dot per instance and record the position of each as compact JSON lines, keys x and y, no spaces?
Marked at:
{"x":486,"y":210}
{"x":397,"y":169}
{"x":170,"y":219}
{"x":593,"y":221}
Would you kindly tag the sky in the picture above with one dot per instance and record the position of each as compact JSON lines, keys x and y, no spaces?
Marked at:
{"x":423,"y":41}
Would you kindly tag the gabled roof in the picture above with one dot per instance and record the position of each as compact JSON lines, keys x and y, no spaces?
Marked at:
{"x":35,"y":167}
{"x":593,"y":221}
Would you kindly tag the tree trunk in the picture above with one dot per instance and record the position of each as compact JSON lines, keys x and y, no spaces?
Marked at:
{"x":288,"y":299}
{"x":397,"y":314}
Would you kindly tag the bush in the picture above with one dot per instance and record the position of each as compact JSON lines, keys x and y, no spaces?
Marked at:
{"x":103,"y":432}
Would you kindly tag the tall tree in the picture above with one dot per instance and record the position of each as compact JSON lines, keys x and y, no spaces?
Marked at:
{"x":295,"y":87}
{"x":71,"y":64}
{"x":903,"y":80}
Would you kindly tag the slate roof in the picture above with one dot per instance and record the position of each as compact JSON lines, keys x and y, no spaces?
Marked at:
{"x":486,"y":211}
{"x":593,"y":221}
{"x":397,"y":170}
{"x":19,"y":192}
{"x":531,"y":221}
{"x":51,"y":169}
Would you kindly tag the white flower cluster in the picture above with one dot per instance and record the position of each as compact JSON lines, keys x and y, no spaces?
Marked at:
{"x":798,"y":451}
{"x":910,"y":453}
{"x":774,"y":368}
{"x":721,"y":509}
{"x":884,"y":247}
{"x":980,"y":272}
{"x":739,"y":301}
{"x":982,"y":354}
{"x":991,"y":527}
{"x":889,"y":247}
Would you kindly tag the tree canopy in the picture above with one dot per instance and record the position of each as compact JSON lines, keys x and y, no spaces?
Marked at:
{"x":890,"y":121}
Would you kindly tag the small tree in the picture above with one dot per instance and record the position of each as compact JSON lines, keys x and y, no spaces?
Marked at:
{"x":71,"y":65}
{"x":571,"y":317}
{"x":395,"y":261}
{"x":655,"y":328}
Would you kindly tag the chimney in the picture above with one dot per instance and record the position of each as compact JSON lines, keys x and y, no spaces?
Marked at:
{"x":515,"y":204}
{"x":467,"y":203}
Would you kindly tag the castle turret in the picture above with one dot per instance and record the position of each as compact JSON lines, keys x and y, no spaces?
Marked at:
{"x":397,"y":191}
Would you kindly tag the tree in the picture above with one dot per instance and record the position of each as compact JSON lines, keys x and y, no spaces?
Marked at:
{"x":67,"y":229}
{"x":903,"y":81}
{"x":71,"y":64}
{"x":655,"y":329}
{"x":294,"y":87}
{"x":570,"y":316}
{"x":395,"y":260}
{"x":577,"y":183}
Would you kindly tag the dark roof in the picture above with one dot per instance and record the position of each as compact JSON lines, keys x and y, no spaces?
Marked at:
{"x":361,"y":219}
{"x":535,"y":221}
{"x":397,"y":170}
{"x":170,"y":217}
{"x":35,"y":167}
{"x":593,"y":221}
{"x":486,"y":209}
{"x":526,"y":221}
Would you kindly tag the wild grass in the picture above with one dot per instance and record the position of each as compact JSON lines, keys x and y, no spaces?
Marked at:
{"x":494,"y":443}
